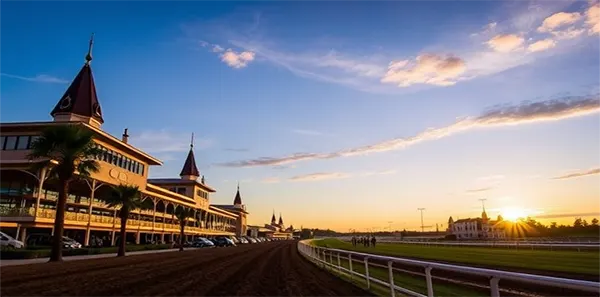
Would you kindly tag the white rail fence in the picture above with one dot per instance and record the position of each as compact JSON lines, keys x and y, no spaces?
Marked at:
{"x":326,"y":256}
{"x":516,"y":245}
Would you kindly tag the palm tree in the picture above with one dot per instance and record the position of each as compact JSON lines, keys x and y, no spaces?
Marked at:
{"x":128,"y":198}
{"x":72,"y":150}
{"x":182,"y":215}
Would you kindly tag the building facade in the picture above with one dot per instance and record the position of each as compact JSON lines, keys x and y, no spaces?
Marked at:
{"x":28,"y":194}
{"x":477,"y":228}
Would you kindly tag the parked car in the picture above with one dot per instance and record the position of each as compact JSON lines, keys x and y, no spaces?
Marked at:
{"x":40,"y":240}
{"x":202,"y":242}
{"x":234,"y":239}
{"x":7,"y":241}
{"x":243,"y":240}
{"x":223,"y":241}
{"x":251,"y":240}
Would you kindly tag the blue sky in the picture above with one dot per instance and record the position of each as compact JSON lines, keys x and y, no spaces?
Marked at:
{"x":321,"y":110}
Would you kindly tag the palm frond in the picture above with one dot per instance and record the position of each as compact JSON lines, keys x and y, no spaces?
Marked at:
{"x":125,"y":196}
{"x":182,"y":213}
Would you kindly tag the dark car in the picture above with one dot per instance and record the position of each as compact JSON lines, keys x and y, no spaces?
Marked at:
{"x":202,"y":242}
{"x":45,"y":240}
{"x":223,"y":241}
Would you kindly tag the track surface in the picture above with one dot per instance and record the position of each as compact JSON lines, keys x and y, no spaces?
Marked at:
{"x":267,"y":269}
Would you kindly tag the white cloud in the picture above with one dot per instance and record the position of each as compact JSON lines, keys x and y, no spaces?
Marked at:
{"x":42,"y":78}
{"x":230,"y":57}
{"x":163,"y":141}
{"x":592,"y":16}
{"x":505,"y":42}
{"x":237,"y":59}
{"x":568,"y":33}
{"x":425,"y":69}
{"x":525,"y":113}
{"x":319,"y":176}
{"x":541,"y":45}
{"x":496,"y":177}
{"x":558,"y":20}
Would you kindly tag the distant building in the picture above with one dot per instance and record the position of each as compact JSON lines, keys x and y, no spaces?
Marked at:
{"x":273,"y":230}
{"x":477,"y":228}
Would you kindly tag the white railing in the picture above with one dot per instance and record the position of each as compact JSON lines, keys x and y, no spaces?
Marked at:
{"x":516,"y":245}
{"x":326,"y":256}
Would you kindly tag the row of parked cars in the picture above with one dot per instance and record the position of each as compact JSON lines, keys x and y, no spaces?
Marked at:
{"x":69,"y":243}
{"x":225,"y":241}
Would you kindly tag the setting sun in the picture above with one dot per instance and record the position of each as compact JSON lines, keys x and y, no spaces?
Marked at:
{"x":514,"y":213}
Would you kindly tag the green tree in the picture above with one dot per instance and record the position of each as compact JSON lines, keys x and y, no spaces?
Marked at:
{"x":71,"y":149}
{"x":128,"y":198}
{"x":584,"y":223}
{"x":595,"y":222}
{"x":578,"y":223}
{"x":182,"y":215}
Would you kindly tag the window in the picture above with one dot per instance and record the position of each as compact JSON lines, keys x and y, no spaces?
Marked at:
{"x":22,"y":142}
{"x":142,"y":169}
{"x":11,"y":142}
{"x":181,"y":191}
{"x":33,"y":139}
{"x":3,"y":142}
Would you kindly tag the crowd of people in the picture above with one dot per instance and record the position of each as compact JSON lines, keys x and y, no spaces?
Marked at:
{"x":365,"y":241}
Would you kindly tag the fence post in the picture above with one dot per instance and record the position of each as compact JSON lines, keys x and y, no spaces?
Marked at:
{"x":494,"y":289}
{"x":331,"y":259}
{"x":350,"y":264}
{"x":367,"y":273}
{"x":429,"y":281}
{"x":392,"y":286}
{"x":339,"y":263}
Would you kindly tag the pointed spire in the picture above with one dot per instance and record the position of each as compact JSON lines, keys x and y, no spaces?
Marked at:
{"x":273,"y":221}
{"x":190,"y":170}
{"x":238,"y":199}
{"x":88,"y":57}
{"x":80,"y":102}
{"x":280,"y":220}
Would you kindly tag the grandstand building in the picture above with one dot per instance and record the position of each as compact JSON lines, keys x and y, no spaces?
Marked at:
{"x":28,"y":196}
{"x":477,"y":228}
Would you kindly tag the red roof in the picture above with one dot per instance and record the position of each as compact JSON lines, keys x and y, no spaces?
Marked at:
{"x":80,"y":98}
{"x":189,"y":168}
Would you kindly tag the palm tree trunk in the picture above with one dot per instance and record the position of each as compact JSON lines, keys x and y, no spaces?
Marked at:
{"x":124,"y":216}
{"x":59,"y":222}
{"x":181,"y":235}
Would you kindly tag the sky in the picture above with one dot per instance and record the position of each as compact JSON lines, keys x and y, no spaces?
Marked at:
{"x":336,"y":115}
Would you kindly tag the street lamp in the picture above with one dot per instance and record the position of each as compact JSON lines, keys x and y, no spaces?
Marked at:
{"x":422,"y":226}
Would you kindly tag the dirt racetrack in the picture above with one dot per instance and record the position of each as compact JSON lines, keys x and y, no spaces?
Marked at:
{"x":266,"y":269}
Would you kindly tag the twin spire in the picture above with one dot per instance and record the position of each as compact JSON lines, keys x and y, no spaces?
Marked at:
{"x":80,"y":101}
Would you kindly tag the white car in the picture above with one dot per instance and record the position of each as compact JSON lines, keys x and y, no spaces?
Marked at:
{"x":8,"y":241}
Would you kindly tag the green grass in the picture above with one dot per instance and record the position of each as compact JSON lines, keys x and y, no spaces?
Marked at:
{"x":562,"y":262}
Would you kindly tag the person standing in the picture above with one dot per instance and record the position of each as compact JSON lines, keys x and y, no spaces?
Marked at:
{"x":373,"y":241}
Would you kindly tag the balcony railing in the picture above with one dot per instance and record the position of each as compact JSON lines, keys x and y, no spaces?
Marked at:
{"x":116,"y":221}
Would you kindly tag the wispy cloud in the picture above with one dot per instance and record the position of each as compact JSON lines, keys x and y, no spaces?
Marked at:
{"x":41,"y":78}
{"x":580,"y":173}
{"x":319,"y":176}
{"x":233,"y":58}
{"x":163,"y":141}
{"x":478,"y":190}
{"x":524,"y":113}
{"x":381,"y":172}
{"x":307,"y":132}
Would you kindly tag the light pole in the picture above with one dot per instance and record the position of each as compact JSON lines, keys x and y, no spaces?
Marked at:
{"x":483,"y":203}
{"x":422,"y":226}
